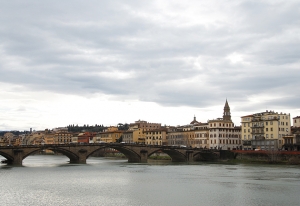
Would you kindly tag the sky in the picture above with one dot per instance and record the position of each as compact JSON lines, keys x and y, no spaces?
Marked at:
{"x":109,"y":62}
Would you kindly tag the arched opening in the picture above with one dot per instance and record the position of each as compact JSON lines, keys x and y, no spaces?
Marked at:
{"x":131,"y":155}
{"x":204,"y":156}
{"x":174,"y":155}
{"x":59,"y":156}
{"x":159,"y":155}
{"x":5,"y":158}
{"x":98,"y":154}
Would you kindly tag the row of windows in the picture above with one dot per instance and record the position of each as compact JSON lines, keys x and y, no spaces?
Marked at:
{"x":153,"y":137}
{"x":223,"y":141}
{"x":224,"y":130}
{"x":266,"y":123}
{"x":221,"y":125}
{"x":153,"y":132}
{"x":226,"y":135}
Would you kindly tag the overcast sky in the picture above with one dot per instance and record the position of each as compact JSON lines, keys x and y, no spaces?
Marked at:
{"x":110,"y":62}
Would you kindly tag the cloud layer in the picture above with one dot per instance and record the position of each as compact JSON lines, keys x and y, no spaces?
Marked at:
{"x":172,"y":53}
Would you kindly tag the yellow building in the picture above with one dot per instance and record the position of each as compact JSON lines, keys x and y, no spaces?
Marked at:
{"x":63,"y":137}
{"x":49,"y":137}
{"x":144,"y":125}
{"x":134,"y":136}
{"x":156,"y":137}
{"x":108,"y":136}
{"x":265,"y":130}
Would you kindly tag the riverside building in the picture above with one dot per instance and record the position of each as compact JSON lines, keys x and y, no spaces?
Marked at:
{"x":223,"y":134}
{"x":265,"y":130}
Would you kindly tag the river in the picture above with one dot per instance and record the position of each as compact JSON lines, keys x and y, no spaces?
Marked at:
{"x":50,"y":180}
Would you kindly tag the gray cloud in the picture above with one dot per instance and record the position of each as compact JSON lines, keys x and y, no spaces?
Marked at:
{"x":72,"y":47}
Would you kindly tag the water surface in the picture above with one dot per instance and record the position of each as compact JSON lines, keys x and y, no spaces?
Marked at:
{"x":51,"y":180}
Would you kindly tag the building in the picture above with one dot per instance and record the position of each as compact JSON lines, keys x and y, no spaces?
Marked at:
{"x":156,"y":137}
{"x":144,"y":125}
{"x":49,"y":137}
{"x":292,"y":142}
{"x":201,"y":135}
{"x":296,"y":121}
{"x":63,"y":137}
{"x":110,"y":136}
{"x":85,"y":137}
{"x":223,"y":134}
{"x":134,"y":136}
{"x":265,"y":130}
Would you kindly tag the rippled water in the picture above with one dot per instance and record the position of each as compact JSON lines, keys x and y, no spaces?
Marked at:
{"x":50,"y":180}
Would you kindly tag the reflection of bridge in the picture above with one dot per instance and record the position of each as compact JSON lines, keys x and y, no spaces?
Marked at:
{"x":78,"y":153}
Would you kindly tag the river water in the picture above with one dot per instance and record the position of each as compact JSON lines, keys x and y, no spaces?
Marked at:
{"x":50,"y":180}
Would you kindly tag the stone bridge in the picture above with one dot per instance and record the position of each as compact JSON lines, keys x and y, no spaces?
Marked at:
{"x":78,"y":153}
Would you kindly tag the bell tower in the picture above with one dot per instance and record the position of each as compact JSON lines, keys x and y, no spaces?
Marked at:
{"x":226,"y":113}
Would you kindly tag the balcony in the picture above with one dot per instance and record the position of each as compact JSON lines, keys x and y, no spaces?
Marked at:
{"x":258,"y":126}
{"x":246,"y":143}
{"x":258,"y":132}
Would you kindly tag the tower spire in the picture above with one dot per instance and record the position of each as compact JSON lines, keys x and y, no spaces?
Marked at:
{"x":226,"y":113}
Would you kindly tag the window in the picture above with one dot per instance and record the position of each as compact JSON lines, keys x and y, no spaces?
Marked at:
{"x":266,"y":123}
{"x":271,"y":135}
{"x":271,"y":129}
{"x":267,"y":129}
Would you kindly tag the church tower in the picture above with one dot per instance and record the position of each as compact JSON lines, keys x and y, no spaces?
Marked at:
{"x":226,"y":113}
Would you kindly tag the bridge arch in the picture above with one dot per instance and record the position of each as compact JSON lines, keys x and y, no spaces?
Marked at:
{"x":205,"y":155}
{"x":72,"y":156}
{"x":175,"y":155}
{"x":132,"y":155}
{"x":8,"y":157}
{"x":95,"y":150}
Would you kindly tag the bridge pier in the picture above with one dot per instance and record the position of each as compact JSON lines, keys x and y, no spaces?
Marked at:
{"x":190,"y":156}
{"x":18,"y":158}
{"x":82,"y":155}
{"x":144,"y":156}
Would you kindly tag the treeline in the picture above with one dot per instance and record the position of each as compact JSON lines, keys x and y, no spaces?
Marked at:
{"x":14,"y":132}
{"x":87,"y":128}
{"x":94,"y":128}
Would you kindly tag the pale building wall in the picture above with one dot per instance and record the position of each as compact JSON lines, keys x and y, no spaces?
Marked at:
{"x":296,"y":121}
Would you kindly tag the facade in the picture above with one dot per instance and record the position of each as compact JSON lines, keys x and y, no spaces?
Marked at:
{"x":201,"y":135}
{"x":265,"y":130}
{"x":134,"y":136}
{"x":223,"y":134}
{"x":63,"y":137}
{"x":109,"y":136}
{"x":156,"y":137}
{"x":86,"y":137}
{"x":296,"y":121}
{"x":49,"y":137}
{"x":292,"y":142}
{"x":144,"y":125}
